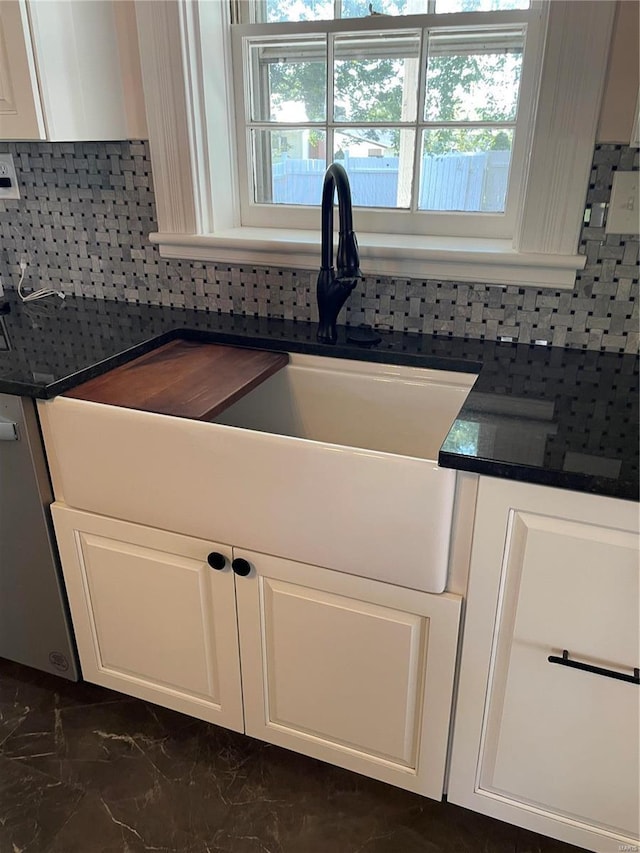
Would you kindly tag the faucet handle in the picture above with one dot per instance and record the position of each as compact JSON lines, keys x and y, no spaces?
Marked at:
{"x":333,"y":291}
{"x":348,"y":259}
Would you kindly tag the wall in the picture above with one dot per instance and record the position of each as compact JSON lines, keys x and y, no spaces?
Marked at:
{"x":86,"y":210}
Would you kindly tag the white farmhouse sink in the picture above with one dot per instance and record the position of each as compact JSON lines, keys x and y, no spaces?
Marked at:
{"x":347,"y":463}
{"x":329,"y":462}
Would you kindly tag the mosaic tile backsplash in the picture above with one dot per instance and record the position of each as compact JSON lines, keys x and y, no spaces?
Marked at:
{"x":87,"y":208}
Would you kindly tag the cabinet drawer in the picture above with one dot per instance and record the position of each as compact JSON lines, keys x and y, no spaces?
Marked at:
{"x":561,"y":738}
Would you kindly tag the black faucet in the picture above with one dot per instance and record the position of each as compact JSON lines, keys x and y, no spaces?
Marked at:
{"x":333,"y":289}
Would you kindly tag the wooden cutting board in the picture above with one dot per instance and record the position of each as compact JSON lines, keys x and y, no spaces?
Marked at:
{"x":185,"y":379}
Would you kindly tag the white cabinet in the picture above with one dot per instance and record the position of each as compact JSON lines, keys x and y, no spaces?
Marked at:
{"x":69,"y":70}
{"x":349,"y":670}
{"x":20,"y":111}
{"x":545,"y":744}
{"x":151,"y":617}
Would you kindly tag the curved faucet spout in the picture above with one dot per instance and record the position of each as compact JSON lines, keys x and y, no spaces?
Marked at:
{"x":333,"y":289}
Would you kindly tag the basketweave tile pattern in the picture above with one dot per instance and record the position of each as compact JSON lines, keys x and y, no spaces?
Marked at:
{"x":87,"y":208}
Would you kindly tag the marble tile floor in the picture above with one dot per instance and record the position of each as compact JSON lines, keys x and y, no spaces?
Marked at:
{"x":86,"y":770}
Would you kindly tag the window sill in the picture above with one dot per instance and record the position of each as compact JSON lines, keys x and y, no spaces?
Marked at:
{"x":446,"y":258}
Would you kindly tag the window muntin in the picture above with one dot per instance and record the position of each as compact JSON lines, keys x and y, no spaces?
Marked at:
{"x":439,"y":101}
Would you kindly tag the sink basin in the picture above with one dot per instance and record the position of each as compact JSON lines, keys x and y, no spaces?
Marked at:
{"x":346,"y":463}
{"x":329,"y":462}
{"x":406,"y":411}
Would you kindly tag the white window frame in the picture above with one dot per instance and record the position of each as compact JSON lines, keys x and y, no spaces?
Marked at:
{"x":196,"y":223}
{"x":396,"y":221}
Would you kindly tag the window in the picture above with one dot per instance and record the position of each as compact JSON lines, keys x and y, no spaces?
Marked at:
{"x":198,"y":155}
{"x":426,"y":113}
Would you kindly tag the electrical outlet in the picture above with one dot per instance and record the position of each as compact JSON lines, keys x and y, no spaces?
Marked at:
{"x":8,"y":171}
{"x":623,"y":216}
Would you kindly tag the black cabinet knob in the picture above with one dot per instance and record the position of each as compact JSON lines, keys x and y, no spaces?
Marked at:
{"x":241,"y":567}
{"x":217,"y":560}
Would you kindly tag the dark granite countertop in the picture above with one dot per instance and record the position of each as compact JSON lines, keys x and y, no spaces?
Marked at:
{"x":564,"y":418}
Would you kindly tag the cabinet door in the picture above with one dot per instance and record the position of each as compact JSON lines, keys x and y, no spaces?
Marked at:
{"x":352,"y":671}
{"x":20,"y":113}
{"x":558,"y":743}
{"x":152,"y":618}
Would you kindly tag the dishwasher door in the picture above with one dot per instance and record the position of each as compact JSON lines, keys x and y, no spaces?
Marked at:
{"x":35,"y":628}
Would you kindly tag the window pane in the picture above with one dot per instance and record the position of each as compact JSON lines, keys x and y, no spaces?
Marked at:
{"x":379,"y":162}
{"x":376,"y":77}
{"x":275,"y":11}
{"x":468,"y":81}
{"x":289,"y":165}
{"x":360,"y":8}
{"x":288,"y":79}
{"x":479,"y":5}
{"x":465,"y":169}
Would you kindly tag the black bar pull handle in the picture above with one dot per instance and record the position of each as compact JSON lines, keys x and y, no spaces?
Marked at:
{"x":596,"y":670}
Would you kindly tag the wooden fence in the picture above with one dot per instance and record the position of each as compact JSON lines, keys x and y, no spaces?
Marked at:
{"x":465,"y":182}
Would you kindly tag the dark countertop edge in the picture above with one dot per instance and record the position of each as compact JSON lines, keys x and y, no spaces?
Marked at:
{"x":46,"y":392}
{"x":353,"y":352}
{"x":575,"y":482}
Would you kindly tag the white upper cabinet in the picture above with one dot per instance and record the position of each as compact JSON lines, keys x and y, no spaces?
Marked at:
{"x":69,"y":71}
{"x":20,"y":113}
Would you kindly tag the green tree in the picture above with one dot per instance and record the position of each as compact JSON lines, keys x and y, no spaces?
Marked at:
{"x":369,"y":89}
{"x":301,"y":82}
{"x":459,"y":88}
{"x":373,"y":90}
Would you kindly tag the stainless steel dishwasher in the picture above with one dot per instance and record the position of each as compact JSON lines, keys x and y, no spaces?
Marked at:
{"x":35,"y":628}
